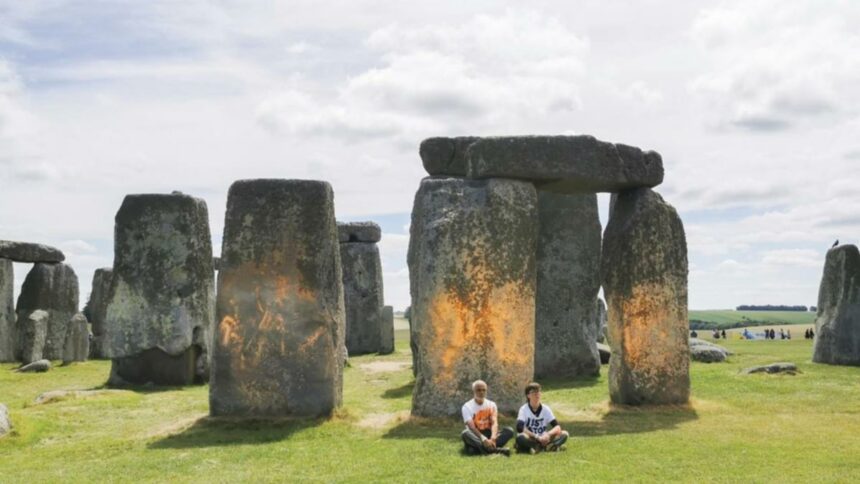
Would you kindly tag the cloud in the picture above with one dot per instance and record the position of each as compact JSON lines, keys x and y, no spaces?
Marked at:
{"x":446,"y":78}
{"x":777,"y":65}
{"x":793,"y":257}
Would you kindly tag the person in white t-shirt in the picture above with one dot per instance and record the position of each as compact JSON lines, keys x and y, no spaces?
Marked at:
{"x":537,"y":427}
{"x":482,"y":435}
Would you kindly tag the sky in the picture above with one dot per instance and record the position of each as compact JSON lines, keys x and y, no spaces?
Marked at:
{"x":754,"y":106}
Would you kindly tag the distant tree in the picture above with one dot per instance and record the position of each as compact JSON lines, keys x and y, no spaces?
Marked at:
{"x":813,"y":309}
{"x":770,"y":307}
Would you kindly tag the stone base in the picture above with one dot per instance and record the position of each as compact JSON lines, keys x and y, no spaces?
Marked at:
{"x":156,"y":367}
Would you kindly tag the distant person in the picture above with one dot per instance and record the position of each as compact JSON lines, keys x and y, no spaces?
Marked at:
{"x":781,"y":333}
{"x":724,"y":334}
{"x":811,"y":333}
{"x":537,"y":427}
{"x":716,"y":334}
{"x":481,"y":417}
{"x":694,"y":334}
{"x":835,"y":244}
{"x":806,"y":333}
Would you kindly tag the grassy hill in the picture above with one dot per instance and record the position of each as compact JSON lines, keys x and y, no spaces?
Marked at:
{"x":738,"y":428}
{"x":729,"y":318}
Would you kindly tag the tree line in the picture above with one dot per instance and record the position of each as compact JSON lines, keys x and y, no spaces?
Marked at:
{"x":771,"y":307}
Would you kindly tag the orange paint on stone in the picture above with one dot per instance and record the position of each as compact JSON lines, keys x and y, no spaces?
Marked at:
{"x":648,"y":345}
{"x":495,"y":330}
{"x":255,"y":335}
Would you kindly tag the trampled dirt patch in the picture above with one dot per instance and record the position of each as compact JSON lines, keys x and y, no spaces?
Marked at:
{"x":384,"y":366}
{"x":383,"y":420}
{"x":60,"y":395}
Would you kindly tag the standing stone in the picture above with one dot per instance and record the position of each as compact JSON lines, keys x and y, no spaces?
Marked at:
{"x":362,"y":292}
{"x":568,"y":279}
{"x":77,"y":345}
{"x":98,"y":310}
{"x":54,"y":289}
{"x":7,"y":311}
{"x":644,"y":270}
{"x":161,"y":300}
{"x":32,"y":331}
{"x":386,"y":331}
{"x":279,"y":344}
{"x":600,"y":322}
{"x":472,"y":280}
{"x":837,"y":324}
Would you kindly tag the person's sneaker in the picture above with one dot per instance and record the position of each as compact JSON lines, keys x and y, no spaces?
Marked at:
{"x":505,"y":452}
{"x":550,"y":447}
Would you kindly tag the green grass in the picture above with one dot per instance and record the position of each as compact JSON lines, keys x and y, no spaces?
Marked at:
{"x":755,"y":428}
{"x":726,"y":317}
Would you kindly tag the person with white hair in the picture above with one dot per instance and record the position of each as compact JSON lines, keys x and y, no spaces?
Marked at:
{"x":481,"y":416}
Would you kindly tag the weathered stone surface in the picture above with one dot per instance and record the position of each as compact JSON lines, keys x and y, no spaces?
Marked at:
{"x":32,"y":330}
{"x":472,"y":280}
{"x":97,"y":306}
{"x":52,"y":288}
{"x":644,"y":270}
{"x":605,"y":353}
{"x":279,"y":344}
{"x":7,"y":311}
{"x":568,"y":278}
{"x":162,"y":291}
{"x":701,"y":342}
{"x":5,"y":422}
{"x":602,"y":328}
{"x":706,"y":352}
{"x":789,"y":368}
{"x":77,"y":345}
{"x":386,"y":331}
{"x":565,"y":164}
{"x":39,"y":366}
{"x":363,"y":298}
{"x":837,"y":323}
{"x":154,"y":366}
{"x":28,"y":252}
{"x":358,"y":232}
{"x":445,"y":156}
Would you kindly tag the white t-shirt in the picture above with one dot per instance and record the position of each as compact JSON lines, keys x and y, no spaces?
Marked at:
{"x":481,"y":415}
{"x":537,"y":423}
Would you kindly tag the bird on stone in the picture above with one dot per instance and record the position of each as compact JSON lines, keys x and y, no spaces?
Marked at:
{"x":835,"y":244}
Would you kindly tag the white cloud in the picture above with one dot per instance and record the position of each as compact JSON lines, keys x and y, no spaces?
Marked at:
{"x":777,"y":65}
{"x":443,"y":78}
{"x":793,"y":257}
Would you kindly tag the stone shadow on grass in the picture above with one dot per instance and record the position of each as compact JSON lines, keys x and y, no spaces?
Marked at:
{"x":221,"y":431}
{"x":549,"y":384}
{"x":427,"y":428}
{"x":399,"y":392}
{"x":621,"y":419}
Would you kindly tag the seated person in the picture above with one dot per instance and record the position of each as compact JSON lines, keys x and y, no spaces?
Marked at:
{"x":538,"y":429}
{"x":481,"y":417}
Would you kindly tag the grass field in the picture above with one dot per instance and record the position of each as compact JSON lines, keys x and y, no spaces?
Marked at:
{"x":725,"y":317}
{"x":754,"y":428}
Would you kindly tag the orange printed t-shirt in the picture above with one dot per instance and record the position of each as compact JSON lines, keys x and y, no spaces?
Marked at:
{"x":481,"y":415}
